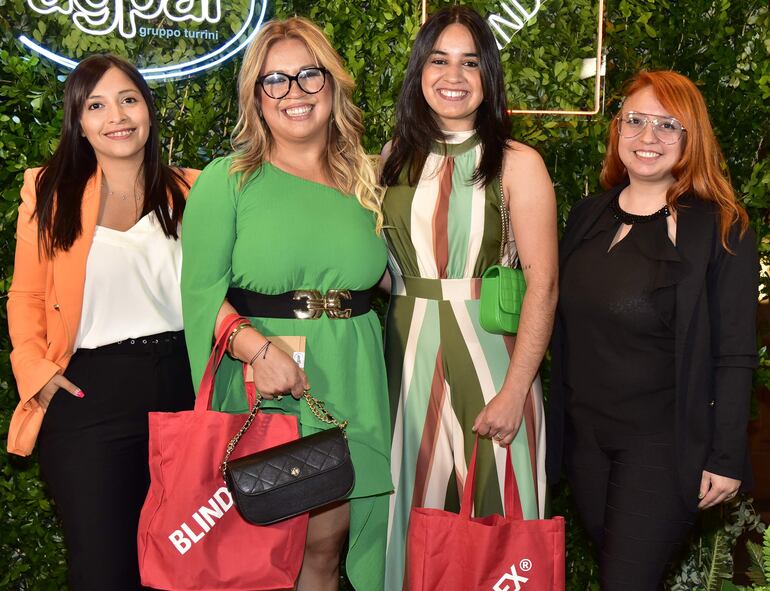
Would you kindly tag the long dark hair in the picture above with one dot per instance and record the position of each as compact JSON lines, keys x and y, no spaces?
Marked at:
{"x":61,"y":183}
{"x":416,"y":126}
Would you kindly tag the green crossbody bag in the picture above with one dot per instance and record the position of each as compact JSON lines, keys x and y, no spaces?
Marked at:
{"x":502,"y":287}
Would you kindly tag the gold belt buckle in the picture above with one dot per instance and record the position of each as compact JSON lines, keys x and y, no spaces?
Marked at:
{"x":317,"y":304}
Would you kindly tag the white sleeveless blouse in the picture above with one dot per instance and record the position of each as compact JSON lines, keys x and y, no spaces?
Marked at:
{"x":132,"y":285}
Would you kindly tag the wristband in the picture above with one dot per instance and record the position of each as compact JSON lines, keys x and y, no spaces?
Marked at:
{"x":263,"y":349}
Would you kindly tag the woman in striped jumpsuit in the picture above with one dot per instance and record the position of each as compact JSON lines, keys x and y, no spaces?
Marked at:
{"x":448,"y":378}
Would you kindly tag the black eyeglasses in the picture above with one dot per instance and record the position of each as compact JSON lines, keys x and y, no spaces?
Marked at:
{"x":277,"y":85}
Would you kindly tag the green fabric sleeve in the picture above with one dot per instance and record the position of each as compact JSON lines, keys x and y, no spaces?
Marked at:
{"x":208,"y":235}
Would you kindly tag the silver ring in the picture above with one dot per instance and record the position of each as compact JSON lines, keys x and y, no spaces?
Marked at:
{"x":499,"y":437}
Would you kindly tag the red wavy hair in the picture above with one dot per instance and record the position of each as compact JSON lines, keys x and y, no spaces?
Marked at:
{"x":702,"y":170}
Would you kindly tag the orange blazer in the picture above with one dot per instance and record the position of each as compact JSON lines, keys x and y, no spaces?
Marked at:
{"x":44,"y":306}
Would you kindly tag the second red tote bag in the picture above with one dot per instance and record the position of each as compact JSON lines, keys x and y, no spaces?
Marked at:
{"x":455,"y":552}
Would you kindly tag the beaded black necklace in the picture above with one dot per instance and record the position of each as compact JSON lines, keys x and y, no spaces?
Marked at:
{"x":631,"y":218}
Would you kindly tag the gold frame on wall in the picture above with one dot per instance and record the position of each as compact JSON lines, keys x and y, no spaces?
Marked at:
{"x":597,"y":76}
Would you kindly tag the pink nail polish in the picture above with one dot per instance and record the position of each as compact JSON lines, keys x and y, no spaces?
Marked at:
{"x":79,"y":393}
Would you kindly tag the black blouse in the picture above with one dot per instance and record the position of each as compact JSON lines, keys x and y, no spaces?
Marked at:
{"x":618,"y":308}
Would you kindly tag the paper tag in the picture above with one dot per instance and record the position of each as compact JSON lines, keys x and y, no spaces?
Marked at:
{"x":293,"y":346}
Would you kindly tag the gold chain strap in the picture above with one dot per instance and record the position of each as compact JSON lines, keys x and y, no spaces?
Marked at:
{"x":505,"y":220}
{"x":504,"y":214}
{"x":316,"y":407}
{"x":234,"y":441}
{"x":319,"y":410}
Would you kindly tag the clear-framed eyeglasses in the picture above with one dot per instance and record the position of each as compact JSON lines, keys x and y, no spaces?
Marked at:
{"x":668,"y":130}
{"x":277,"y":84}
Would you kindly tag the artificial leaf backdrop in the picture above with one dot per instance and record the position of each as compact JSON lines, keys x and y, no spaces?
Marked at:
{"x":723,"y":45}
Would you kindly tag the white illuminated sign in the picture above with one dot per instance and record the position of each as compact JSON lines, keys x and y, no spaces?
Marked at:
{"x":160,"y":19}
{"x":517,"y":16}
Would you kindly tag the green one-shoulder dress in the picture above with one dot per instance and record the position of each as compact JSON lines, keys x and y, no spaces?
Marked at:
{"x":278,"y":233}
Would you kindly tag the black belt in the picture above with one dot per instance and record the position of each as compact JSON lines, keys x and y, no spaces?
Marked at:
{"x":161,"y":343}
{"x":303,"y":304}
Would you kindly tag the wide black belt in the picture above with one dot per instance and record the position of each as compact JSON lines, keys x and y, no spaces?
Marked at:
{"x":303,"y":304}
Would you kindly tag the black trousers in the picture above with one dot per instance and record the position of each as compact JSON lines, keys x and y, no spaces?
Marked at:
{"x":626,"y":492}
{"x":94,"y":452}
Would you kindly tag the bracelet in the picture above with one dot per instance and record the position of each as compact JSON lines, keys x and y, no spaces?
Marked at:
{"x":231,"y":338}
{"x":263,"y":349}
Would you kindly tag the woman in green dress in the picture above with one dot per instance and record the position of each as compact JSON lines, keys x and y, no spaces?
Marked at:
{"x":449,"y":158}
{"x":296,"y":207}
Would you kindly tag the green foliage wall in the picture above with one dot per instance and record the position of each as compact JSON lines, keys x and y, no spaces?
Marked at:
{"x":723,"y":45}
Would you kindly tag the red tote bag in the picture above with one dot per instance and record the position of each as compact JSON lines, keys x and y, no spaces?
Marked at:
{"x":454,"y":552}
{"x":191,"y":537}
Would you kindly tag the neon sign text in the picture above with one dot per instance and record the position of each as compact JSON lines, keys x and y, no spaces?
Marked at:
{"x":162,"y":19}
{"x":519,"y":17}
{"x":102,"y":17}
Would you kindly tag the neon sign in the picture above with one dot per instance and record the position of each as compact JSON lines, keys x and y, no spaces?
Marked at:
{"x":519,"y":16}
{"x":158,"y":19}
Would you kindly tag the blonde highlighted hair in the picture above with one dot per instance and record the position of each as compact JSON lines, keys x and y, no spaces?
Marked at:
{"x":701,"y":170}
{"x":346,"y":163}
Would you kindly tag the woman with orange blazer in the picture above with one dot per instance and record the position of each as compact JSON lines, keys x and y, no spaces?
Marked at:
{"x":94,"y":315}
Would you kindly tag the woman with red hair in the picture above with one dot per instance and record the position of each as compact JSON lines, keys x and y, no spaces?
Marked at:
{"x":655,"y":338}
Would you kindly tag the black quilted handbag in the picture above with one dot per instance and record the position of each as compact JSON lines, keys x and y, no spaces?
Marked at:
{"x":292,"y":478}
